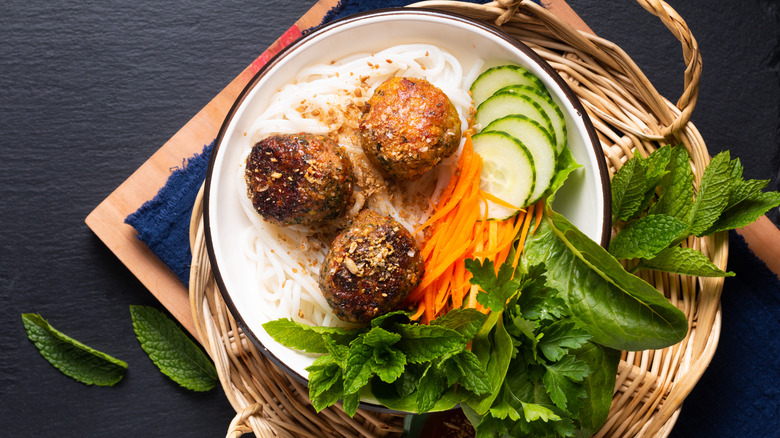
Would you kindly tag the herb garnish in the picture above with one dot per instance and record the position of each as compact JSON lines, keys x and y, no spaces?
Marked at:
{"x":171,"y":350}
{"x":70,"y":356}
{"x":654,"y":205}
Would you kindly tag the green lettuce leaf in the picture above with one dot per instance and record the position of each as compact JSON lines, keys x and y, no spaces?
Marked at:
{"x":618,"y":309}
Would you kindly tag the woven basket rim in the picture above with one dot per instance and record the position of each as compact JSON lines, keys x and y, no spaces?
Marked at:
{"x":651,"y":386}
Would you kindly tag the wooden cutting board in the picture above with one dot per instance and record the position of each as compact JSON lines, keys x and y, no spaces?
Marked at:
{"x":107,"y":219}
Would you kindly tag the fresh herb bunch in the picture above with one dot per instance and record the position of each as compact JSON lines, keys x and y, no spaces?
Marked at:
{"x":547,"y":378}
{"x":655,"y":207}
{"x":407,"y":366}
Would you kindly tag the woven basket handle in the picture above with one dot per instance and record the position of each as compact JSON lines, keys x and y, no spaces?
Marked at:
{"x":672,"y":119}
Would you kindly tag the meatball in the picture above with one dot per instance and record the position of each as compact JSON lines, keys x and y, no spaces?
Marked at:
{"x":371,"y":267}
{"x":298,"y":179}
{"x":408,"y":126}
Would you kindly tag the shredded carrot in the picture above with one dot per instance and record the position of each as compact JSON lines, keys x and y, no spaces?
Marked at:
{"x":458,"y":230}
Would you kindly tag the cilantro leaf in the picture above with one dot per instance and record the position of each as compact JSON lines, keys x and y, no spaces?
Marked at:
{"x":686,"y":261}
{"x":70,"y":356}
{"x":646,"y":236}
{"x":560,"y":378}
{"x":171,"y":350}
{"x":559,"y":337}
{"x":498,"y":288}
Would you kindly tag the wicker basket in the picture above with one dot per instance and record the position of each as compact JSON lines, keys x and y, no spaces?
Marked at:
{"x":630,"y":117}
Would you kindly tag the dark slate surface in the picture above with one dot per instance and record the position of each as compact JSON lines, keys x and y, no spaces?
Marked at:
{"x":89,"y":91}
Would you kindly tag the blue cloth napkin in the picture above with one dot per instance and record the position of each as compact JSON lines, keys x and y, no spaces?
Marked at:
{"x":738,"y":396}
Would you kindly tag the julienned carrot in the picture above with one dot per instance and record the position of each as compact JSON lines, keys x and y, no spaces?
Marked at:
{"x":457,"y":231}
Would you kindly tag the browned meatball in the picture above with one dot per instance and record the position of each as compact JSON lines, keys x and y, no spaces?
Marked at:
{"x":408,"y":126}
{"x":371,"y":267}
{"x":298,"y":179}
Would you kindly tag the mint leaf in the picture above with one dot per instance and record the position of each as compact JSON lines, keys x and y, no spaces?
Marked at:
{"x":423,"y":343}
{"x":686,"y":261}
{"x":171,"y":350}
{"x":327,"y":397}
{"x":304,"y":337}
{"x":323,"y":374}
{"x":745,"y":212}
{"x":646,"y":236}
{"x":472,"y":376}
{"x":713,"y":194}
{"x":464,"y":321}
{"x":497,"y":287}
{"x":350,"y":403}
{"x":628,"y":188}
{"x":70,"y":356}
{"x":676,"y":196}
{"x":432,"y":385}
{"x":360,"y":368}
{"x":388,"y":363}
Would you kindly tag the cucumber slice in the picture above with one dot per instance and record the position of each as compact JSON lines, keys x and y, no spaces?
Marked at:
{"x":504,"y":104}
{"x":549,"y":106}
{"x":493,"y":79}
{"x":508,"y":171}
{"x":538,"y":142}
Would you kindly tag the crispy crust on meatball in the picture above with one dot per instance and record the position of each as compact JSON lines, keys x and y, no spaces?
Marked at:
{"x":298,"y":179}
{"x":370,"y":269}
{"x":408,"y":126}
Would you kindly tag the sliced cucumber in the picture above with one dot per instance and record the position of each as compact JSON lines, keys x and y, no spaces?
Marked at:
{"x":508,"y":171}
{"x":549,"y":106}
{"x":538,"y":142}
{"x":504,"y":104}
{"x":493,"y":79}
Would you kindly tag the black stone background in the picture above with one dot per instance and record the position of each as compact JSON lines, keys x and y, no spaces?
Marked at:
{"x":90,"y":90}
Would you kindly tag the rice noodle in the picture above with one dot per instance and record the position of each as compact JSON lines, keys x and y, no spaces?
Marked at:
{"x":325,"y":99}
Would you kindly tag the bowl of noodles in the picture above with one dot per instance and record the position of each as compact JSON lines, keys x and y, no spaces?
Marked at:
{"x":319,"y":85}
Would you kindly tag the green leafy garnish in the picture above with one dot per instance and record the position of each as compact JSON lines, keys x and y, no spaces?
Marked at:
{"x":70,"y":356}
{"x":407,"y":365}
{"x":655,"y":208}
{"x":171,"y":350}
{"x":547,"y":378}
{"x":619,"y":309}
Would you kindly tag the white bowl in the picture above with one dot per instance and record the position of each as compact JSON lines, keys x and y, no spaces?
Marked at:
{"x":584,"y":200}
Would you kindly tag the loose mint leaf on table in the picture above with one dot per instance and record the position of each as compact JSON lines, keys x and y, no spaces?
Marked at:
{"x":646,"y":236}
{"x":618,"y":309}
{"x":171,"y":350}
{"x":70,"y":356}
{"x":685,"y":261}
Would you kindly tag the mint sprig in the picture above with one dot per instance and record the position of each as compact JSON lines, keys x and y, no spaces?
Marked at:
{"x":408,"y":366}
{"x":656,"y":208}
{"x":171,"y":350}
{"x":71,"y":357}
